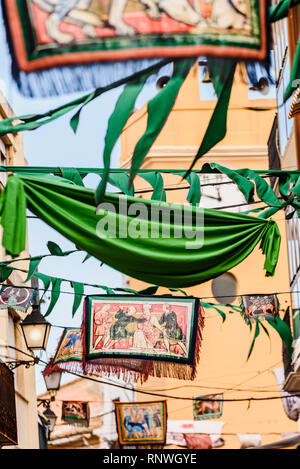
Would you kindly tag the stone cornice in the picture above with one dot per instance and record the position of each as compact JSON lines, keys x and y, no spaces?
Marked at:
{"x":174,"y":154}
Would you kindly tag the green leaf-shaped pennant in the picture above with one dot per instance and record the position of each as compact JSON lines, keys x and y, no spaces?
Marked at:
{"x":256,"y":334}
{"x":33,"y":265}
{"x":5,"y":272}
{"x":54,"y":249}
{"x":79,"y":292}
{"x":55,"y":292}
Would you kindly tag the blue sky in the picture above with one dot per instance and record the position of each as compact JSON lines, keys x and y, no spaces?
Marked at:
{"x":56,"y":145}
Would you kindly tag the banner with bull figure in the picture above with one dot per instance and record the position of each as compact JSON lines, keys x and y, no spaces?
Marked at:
{"x":76,"y":413}
{"x":208,"y":407}
{"x":49,"y":34}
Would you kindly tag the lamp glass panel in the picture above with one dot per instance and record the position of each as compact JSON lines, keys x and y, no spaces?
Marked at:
{"x":53,"y":381}
{"x":36,"y":335}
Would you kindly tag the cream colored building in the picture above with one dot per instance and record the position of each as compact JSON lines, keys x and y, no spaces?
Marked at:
{"x":101,"y":432}
{"x":286,"y":33}
{"x":223,"y":366}
{"x":11,"y":153}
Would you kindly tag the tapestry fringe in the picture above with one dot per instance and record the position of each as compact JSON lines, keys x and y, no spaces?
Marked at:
{"x":59,"y":81}
{"x":99,"y":370}
{"x":159,"y":369}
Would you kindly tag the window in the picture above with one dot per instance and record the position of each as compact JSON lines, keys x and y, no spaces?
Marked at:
{"x":282,"y":73}
{"x":206,"y":88}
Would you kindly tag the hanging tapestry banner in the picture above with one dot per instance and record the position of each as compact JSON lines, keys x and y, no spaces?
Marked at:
{"x":16,"y":298}
{"x":163,"y":331}
{"x":208,"y":407}
{"x":255,"y":306}
{"x":51,"y":33}
{"x":76,"y":412}
{"x":141,"y":423}
{"x":69,"y":347}
{"x":68,"y":358}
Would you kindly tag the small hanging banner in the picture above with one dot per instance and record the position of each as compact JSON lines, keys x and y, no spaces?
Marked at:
{"x":198,"y":441}
{"x":76,"y":412}
{"x":140,"y":423}
{"x":255,"y":306}
{"x":17,"y":298}
{"x":52,"y":33}
{"x":164,"y":332}
{"x":69,"y":350}
{"x":68,"y":358}
{"x":208,"y":407}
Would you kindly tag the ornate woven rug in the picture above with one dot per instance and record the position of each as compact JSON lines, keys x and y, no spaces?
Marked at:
{"x":165,"y":332}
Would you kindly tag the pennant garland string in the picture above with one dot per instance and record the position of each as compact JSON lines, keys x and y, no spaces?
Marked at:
{"x":248,"y":181}
{"x":55,"y":283}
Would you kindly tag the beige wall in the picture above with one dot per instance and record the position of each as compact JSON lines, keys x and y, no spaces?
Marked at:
{"x":10,"y":330}
{"x":225,"y":346}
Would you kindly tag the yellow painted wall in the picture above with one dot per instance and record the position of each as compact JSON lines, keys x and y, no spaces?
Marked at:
{"x":223,"y":366}
{"x":26,"y":405}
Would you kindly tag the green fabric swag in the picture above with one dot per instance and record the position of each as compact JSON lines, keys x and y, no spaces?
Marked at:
{"x":166,"y":261}
{"x":281,"y":10}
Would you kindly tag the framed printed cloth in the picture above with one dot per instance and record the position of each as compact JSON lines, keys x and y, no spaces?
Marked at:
{"x":69,"y":348}
{"x":76,"y":412}
{"x":140,"y":423}
{"x":51,"y":33}
{"x":15,"y":297}
{"x":255,"y":306}
{"x":162,"y":331}
{"x":208,"y":407}
{"x":69,"y":358}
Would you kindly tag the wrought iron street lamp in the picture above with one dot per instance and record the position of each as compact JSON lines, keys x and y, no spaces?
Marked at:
{"x":51,"y":418}
{"x":36,"y":330}
{"x":52,"y":381}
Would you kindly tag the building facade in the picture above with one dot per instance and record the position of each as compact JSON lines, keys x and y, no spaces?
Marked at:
{"x":11,"y":337}
{"x":223,"y":366}
{"x":286,"y":33}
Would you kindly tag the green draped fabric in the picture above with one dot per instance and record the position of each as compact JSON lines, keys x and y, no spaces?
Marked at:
{"x":70,"y":209}
{"x":250,"y":182}
{"x":281,"y":9}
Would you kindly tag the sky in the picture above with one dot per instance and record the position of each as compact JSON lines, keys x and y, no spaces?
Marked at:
{"x":56,"y":145}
